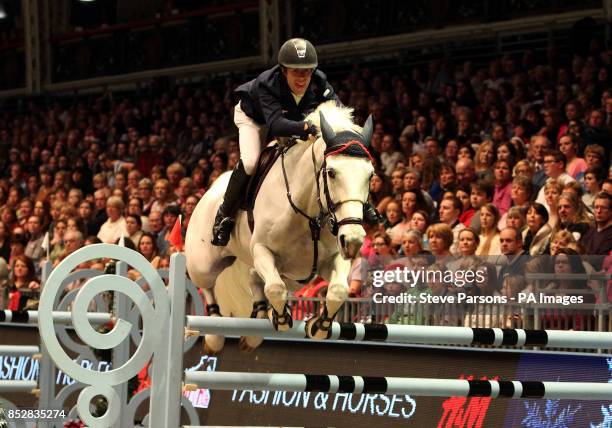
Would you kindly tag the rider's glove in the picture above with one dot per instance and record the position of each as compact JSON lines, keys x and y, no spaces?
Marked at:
{"x":310,"y":129}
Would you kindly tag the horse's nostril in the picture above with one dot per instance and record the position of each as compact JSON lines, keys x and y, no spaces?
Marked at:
{"x":342,"y":241}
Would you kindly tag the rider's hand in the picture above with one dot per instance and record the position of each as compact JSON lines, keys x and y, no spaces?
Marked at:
{"x":309,"y":129}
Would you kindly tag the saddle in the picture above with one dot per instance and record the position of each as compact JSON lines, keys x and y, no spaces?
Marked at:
{"x":267,"y":158}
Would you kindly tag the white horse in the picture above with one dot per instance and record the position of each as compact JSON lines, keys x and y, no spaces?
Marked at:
{"x":323,"y":193}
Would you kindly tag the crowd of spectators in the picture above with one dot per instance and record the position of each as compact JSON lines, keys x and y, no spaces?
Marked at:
{"x":505,"y":159}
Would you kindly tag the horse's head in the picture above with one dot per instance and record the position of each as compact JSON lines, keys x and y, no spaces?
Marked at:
{"x":345,"y":178}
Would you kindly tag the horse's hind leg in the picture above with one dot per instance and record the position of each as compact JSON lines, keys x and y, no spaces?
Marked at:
{"x":213,"y":344}
{"x":204,"y":273}
{"x":337,"y":271}
{"x":260,"y":311}
{"x":274,"y":288}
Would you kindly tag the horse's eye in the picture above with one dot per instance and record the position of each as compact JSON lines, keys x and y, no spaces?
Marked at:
{"x":331,"y":173}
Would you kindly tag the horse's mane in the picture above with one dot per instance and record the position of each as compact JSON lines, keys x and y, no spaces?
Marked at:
{"x":340,"y":118}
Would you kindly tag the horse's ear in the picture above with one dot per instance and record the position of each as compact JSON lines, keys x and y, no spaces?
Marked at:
{"x":326,"y":131}
{"x":368,"y":130}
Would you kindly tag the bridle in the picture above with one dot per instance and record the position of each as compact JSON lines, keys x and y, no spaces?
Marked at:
{"x":334,"y":224}
{"x":316,"y":223}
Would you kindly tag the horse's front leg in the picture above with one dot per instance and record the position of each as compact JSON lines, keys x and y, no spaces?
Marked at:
{"x":337,"y":270}
{"x":274,"y":287}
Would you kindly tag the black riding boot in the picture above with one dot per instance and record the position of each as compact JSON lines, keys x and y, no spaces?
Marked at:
{"x":224,"y":221}
{"x":371,"y":215}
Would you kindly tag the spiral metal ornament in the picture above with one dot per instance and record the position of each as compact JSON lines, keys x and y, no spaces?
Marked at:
{"x":113,"y":408}
{"x":192,"y":295}
{"x":65,"y":304}
{"x":154,"y":318}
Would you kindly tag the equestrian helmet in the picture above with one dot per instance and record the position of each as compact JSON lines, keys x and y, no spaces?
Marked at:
{"x":297,"y":53}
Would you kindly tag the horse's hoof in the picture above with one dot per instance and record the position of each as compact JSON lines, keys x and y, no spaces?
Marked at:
{"x":314,"y":330}
{"x":283,"y":327}
{"x":213,"y":344}
{"x":249,"y":344}
{"x":209,"y":351}
{"x":280,"y":322}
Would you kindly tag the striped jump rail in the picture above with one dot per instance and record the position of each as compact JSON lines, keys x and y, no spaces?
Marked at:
{"x":230,"y":381}
{"x":413,"y":334}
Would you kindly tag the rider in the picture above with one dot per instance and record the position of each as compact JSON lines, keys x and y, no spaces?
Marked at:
{"x":273,"y":104}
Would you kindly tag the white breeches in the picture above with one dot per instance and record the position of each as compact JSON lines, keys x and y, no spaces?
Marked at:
{"x":250,"y":137}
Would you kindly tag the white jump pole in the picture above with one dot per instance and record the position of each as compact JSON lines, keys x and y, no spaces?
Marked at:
{"x":60,"y":317}
{"x":18,"y":350}
{"x":226,"y":326}
{"x":415,"y":334}
{"x":399,"y":385}
{"x":17,"y":385}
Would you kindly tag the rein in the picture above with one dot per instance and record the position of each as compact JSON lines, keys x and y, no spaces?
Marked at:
{"x":314,"y":222}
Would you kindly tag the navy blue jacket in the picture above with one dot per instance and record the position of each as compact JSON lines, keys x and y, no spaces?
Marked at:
{"x":267,"y":100}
